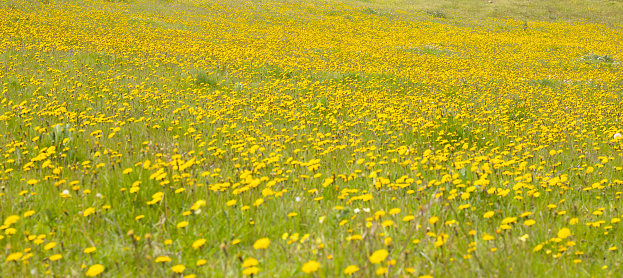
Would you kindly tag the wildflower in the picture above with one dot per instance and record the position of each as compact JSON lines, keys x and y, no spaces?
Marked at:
{"x":351,"y":269}
{"x":251,"y":271}
{"x":49,"y":245}
{"x":394,"y":211}
{"x":250,"y":262}
{"x":433,"y":220}
{"x":564,"y":233}
{"x":261,"y":243}
{"x":163,"y":259}
{"x":178,"y":268}
{"x":11,"y":220}
{"x":95,"y":270}
{"x":378,"y":256}
{"x":310,"y":267}
{"x":13,"y":257}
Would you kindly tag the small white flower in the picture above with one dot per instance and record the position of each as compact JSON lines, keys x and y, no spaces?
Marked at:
{"x":366,"y":209}
{"x":357,"y":210}
{"x":298,"y":199}
{"x":65,"y":192}
{"x":98,"y":195}
{"x":198,"y":211}
{"x":616,"y":135}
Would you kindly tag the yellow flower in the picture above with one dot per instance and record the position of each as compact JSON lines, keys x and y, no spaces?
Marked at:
{"x":378,"y":256}
{"x":95,"y":270}
{"x":529,"y":222}
{"x":88,"y":212}
{"x":249,"y":262}
{"x":198,"y":243}
{"x":14,"y":257}
{"x":537,"y":248}
{"x":311,"y":266}
{"x":56,"y":257}
{"x":182,"y":224}
{"x":394,"y":211}
{"x":163,"y":259}
{"x":11,"y":220}
{"x":381,"y":271}
{"x":261,"y":243}
{"x":351,"y":269}
{"x":408,"y":218}
{"x":127,"y":171}
{"x":49,"y":245}
{"x":433,"y":220}
{"x":89,"y":250}
{"x":201,"y":262}
{"x":564,"y":233}
{"x":387,"y":223}
{"x":178,"y":268}
{"x":488,"y":214}
{"x":251,"y":271}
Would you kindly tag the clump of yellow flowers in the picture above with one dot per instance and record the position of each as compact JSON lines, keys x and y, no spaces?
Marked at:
{"x":225,"y":139}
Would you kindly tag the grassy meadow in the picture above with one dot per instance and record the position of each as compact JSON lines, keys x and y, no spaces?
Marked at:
{"x":336,"y":138}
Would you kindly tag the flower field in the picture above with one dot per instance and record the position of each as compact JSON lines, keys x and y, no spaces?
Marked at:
{"x":297,"y":139}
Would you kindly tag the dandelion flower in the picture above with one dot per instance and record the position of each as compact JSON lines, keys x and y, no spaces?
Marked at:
{"x":251,"y":271}
{"x":198,"y":243}
{"x":163,"y":259}
{"x":14,"y":257}
{"x":95,"y":270}
{"x":351,"y":269}
{"x":178,"y":268}
{"x":261,"y":243}
{"x":433,"y":220}
{"x":311,"y":266}
{"x":250,"y":262}
{"x":378,"y":256}
{"x":564,"y":233}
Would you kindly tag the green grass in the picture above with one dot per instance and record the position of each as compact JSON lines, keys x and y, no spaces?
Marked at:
{"x":394,"y":101}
